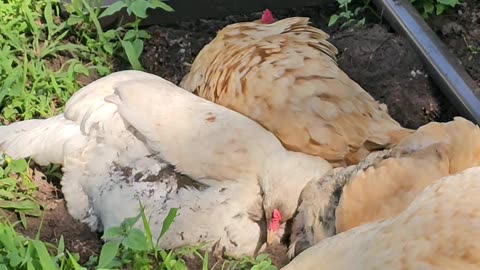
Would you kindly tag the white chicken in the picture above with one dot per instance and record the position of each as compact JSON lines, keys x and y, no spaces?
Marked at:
{"x":438,"y":230}
{"x":385,"y":183}
{"x":284,"y":75}
{"x":129,"y":115}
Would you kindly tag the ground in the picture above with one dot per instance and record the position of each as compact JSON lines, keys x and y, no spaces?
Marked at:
{"x":381,"y":61}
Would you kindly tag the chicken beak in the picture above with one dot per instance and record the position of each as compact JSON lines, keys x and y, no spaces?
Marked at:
{"x":270,"y":237}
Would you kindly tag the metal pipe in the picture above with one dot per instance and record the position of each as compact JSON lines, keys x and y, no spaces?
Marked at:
{"x":445,"y":69}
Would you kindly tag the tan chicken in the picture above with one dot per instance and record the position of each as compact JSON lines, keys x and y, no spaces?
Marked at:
{"x":438,"y":230}
{"x":382,"y":187}
{"x":434,"y":151}
{"x":284,"y":75}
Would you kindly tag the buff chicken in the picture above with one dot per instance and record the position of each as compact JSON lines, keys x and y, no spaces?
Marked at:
{"x":437,"y":230}
{"x":385,"y":183}
{"x":283,"y":74}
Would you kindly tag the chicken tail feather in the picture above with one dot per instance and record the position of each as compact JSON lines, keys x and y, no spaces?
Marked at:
{"x":44,"y":140}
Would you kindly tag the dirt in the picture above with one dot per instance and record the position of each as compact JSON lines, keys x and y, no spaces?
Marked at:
{"x":381,"y":61}
{"x":56,"y":221}
{"x":460,"y":31}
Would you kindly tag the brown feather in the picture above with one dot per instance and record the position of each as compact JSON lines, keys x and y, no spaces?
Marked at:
{"x":284,"y":75}
{"x":434,"y":151}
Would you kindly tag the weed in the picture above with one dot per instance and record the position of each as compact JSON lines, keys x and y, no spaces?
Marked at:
{"x":348,"y":16}
{"x":16,"y":189}
{"x":261,"y":262}
{"x":18,"y":252}
{"x":132,"y":40}
{"x":35,"y":77}
{"x":44,"y":58}
{"x":352,"y":10}
{"x":428,"y":7}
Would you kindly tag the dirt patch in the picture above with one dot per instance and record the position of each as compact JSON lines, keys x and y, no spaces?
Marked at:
{"x":460,"y":31}
{"x":57,"y":222}
{"x":385,"y":65}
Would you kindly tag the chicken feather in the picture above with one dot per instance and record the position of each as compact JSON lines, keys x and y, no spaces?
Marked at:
{"x":130,"y":114}
{"x":438,"y":230}
{"x":385,"y":186}
{"x":284,"y":75}
{"x":383,"y":191}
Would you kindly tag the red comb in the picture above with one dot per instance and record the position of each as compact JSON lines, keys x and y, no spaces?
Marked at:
{"x":276,"y":217}
{"x":267,"y":17}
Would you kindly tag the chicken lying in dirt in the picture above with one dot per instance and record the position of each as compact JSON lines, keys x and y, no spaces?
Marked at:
{"x":283,"y":74}
{"x":385,"y":183}
{"x":439,"y":229}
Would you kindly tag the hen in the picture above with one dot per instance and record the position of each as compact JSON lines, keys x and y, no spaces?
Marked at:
{"x":129,"y":115}
{"x":284,"y":75}
{"x":385,"y":183}
{"x":439,"y":229}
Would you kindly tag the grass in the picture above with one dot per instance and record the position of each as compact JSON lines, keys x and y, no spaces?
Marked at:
{"x":16,"y":189}
{"x":44,"y":59}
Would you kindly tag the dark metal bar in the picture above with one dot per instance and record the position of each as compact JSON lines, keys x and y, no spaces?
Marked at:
{"x":445,"y":69}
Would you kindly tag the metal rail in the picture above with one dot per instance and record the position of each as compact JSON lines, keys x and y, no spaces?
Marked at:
{"x":445,"y":69}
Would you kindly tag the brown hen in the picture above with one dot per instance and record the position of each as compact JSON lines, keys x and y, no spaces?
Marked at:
{"x":284,"y":75}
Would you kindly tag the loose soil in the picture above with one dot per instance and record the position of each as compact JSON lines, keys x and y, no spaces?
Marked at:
{"x":381,"y":61}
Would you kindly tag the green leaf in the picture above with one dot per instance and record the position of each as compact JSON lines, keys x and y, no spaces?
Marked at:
{"x":130,"y":34}
{"x":167,"y":222}
{"x":45,"y":259}
{"x":6,"y":194}
{"x":108,"y":253}
{"x":135,"y":240}
{"x":18,"y":165}
{"x":48,"y":14}
{"x":8,"y":182}
{"x":333,"y":19}
{"x":129,"y":222}
{"x":74,"y":262}
{"x":20,"y":205}
{"x":74,"y":20}
{"x":14,"y":258}
{"x":113,"y":8}
{"x":132,"y":54}
{"x":110,"y":34}
{"x":261,"y":257}
{"x":439,"y":8}
{"x":159,"y":4}
{"x":112,"y":233}
{"x":146,"y":227}
{"x":139,"y":8}
{"x":451,"y":3}
{"x":61,"y":245}
{"x":79,"y":68}
{"x":428,"y":7}
{"x":143,"y":34}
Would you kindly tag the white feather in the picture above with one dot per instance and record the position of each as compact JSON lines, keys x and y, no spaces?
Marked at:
{"x":126,"y":116}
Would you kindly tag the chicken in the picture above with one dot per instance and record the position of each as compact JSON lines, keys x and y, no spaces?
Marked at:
{"x":438,"y":230}
{"x":284,"y":75}
{"x":129,"y":115}
{"x":237,"y":206}
{"x":385,"y":183}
